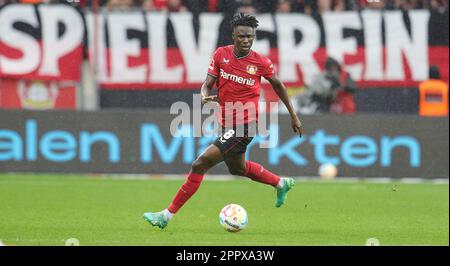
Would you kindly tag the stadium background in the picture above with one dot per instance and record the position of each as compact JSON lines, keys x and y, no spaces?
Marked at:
{"x":86,"y":87}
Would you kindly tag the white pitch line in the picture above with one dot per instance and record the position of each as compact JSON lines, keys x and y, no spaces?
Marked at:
{"x":215,"y":177}
{"x":378,"y":180}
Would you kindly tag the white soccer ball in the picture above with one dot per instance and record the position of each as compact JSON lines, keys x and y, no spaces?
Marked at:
{"x":328,"y":171}
{"x":233,"y":218}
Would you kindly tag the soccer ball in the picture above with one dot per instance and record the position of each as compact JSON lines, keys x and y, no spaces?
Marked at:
{"x":233,"y":218}
{"x":328,"y":171}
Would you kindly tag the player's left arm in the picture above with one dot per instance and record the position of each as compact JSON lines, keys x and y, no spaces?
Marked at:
{"x":280,"y":90}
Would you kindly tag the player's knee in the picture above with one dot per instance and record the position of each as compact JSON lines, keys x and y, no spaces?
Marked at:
{"x":237,"y":171}
{"x":199,"y":166}
{"x":196,"y":166}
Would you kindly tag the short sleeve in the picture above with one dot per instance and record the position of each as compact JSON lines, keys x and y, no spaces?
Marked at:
{"x":268,"y":69}
{"x":213,"y":68}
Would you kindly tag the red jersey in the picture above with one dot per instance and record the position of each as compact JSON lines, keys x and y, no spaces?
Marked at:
{"x":239,"y":81}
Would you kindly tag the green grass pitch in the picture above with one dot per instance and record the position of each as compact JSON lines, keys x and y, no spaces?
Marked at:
{"x":48,"y":209}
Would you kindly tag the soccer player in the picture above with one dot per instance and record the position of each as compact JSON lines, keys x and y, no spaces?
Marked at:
{"x":237,"y":70}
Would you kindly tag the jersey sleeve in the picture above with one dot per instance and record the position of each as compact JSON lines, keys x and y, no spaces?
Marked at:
{"x":268,"y":69}
{"x":213,"y":68}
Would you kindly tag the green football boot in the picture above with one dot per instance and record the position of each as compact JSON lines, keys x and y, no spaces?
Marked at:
{"x":156,"y":219}
{"x":282,"y":192}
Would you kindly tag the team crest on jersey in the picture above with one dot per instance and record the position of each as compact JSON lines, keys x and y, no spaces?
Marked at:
{"x":251,"y":69}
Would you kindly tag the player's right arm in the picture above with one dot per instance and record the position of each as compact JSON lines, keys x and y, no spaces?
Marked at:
{"x":213,"y":73}
{"x":206,"y":89}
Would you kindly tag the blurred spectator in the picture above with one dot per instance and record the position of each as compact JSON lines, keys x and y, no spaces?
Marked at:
{"x":406,"y":4}
{"x":175,"y":6}
{"x":284,"y":6}
{"x":323,"y":6}
{"x":375,"y":4}
{"x":439,"y":5}
{"x":231,"y":7}
{"x":147,"y":5}
{"x":79,"y":3}
{"x":303,"y":6}
{"x":332,"y":90}
{"x":30,"y":1}
{"x":433,"y":95}
{"x":228,"y":7}
{"x":339,"y":5}
{"x":119,"y":4}
{"x":159,"y":4}
{"x":247,"y":7}
{"x":212,"y":5}
{"x":266,"y":6}
{"x":154,"y":5}
{"x":164,"y":5}
{"x":308,"y":9}
{"x":353,"y":5}
{"x":199,"y":6}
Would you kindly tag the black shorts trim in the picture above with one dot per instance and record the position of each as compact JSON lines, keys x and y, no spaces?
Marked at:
{"x":228,"y":143}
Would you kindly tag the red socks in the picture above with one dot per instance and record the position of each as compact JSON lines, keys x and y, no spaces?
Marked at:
{"x":186,"y":191}
{"x":257,"y":173}
{"x":253,"y":171}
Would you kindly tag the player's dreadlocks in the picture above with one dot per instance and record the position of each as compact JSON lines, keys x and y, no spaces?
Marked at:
{"x":241,"y":19}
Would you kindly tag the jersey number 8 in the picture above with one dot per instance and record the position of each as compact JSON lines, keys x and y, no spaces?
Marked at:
{"x":227,"y":135}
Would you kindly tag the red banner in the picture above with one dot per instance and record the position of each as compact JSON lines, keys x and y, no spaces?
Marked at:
{"x":135,"y":50}
{"x":37,"y":95}
{"x":48,"y":45}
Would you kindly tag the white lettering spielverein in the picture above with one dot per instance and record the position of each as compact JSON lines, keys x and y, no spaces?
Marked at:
{"x":393,"y":49}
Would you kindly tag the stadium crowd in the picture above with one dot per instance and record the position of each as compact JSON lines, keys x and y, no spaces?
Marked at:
{"x":310,"y":7}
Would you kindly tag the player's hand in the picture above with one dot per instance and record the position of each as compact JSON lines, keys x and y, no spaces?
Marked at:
{"x":297,"y":125}
{"x":212,"y":98}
